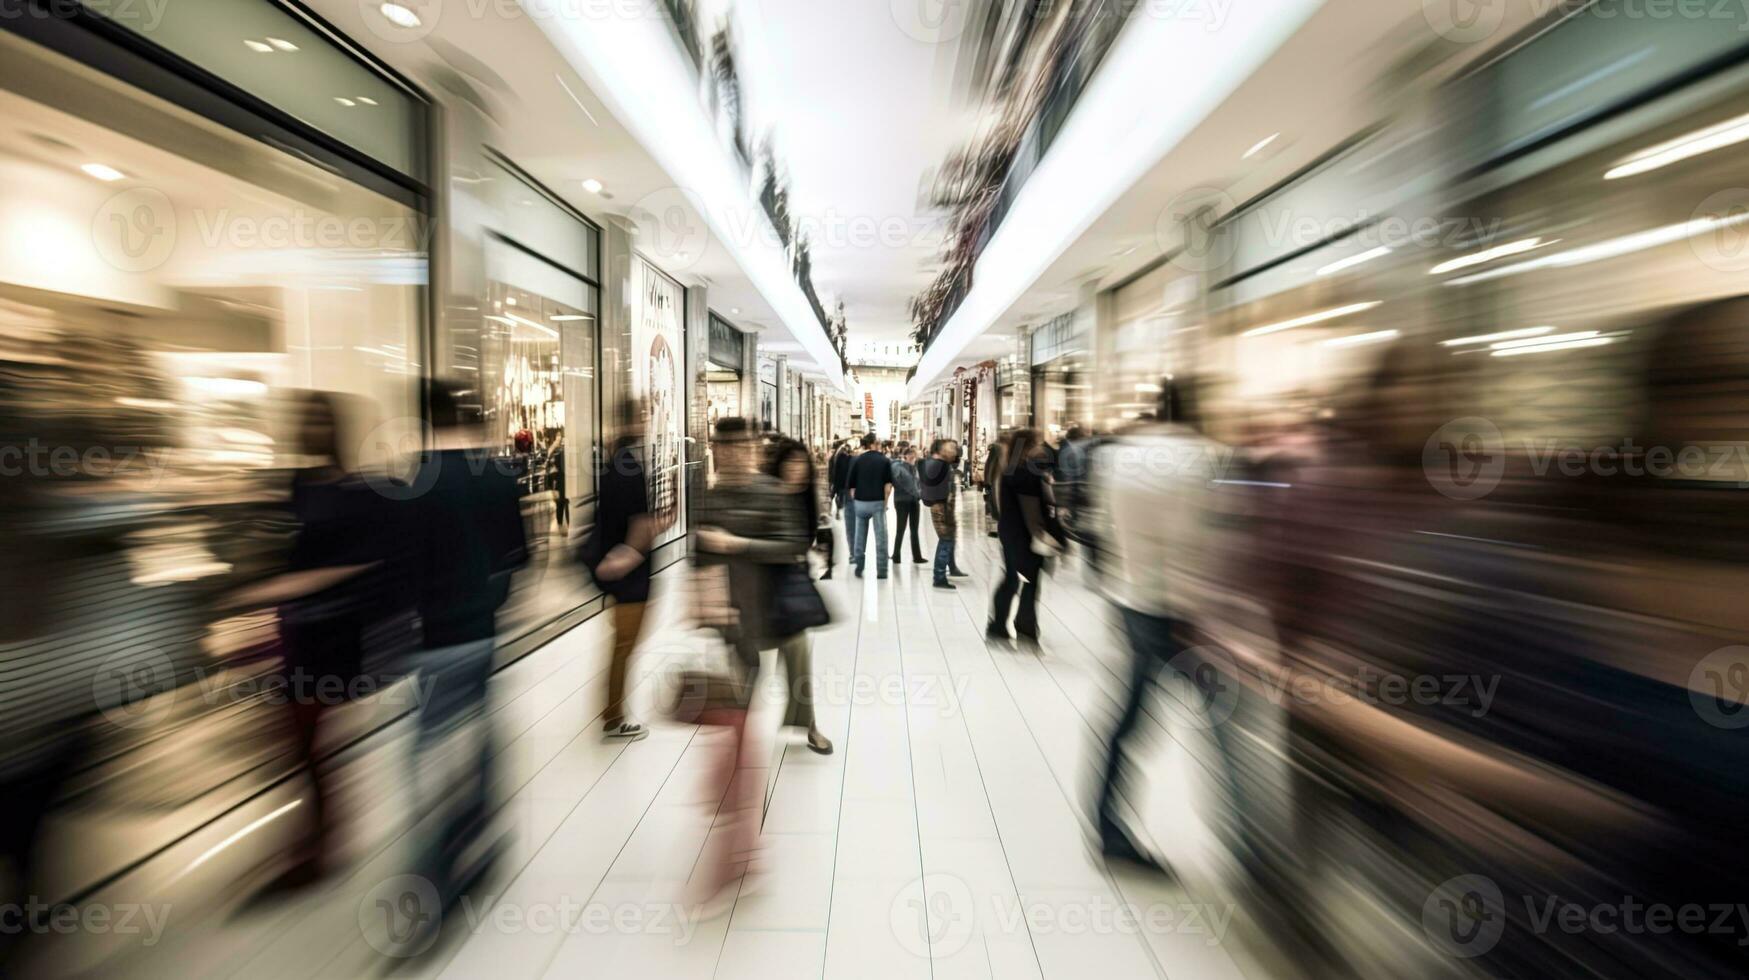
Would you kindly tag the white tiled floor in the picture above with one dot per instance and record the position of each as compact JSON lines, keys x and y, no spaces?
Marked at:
{"x":944,"y":838}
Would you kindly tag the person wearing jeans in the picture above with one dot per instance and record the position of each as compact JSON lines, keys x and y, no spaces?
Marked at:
{"x":471,"y":540}
{"x":935,"y":478}
{"x":870,"y":483}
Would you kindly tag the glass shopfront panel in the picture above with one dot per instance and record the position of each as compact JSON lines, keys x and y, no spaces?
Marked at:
{"x":173,"y":294}
{"x":538,"y":352}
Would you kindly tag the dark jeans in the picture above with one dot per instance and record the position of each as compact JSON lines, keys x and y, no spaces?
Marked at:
{"x":943,"y":558}
{"x":1155,"y":643}
{"x":453,"y":681}
{"x":909,"y":513}
{"x":1026,"y":619}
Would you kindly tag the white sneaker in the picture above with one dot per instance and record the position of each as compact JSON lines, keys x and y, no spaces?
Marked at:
{"x":631,"y":731}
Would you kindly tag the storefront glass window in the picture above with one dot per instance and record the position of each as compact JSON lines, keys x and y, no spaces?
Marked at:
{"x":539,"y":348}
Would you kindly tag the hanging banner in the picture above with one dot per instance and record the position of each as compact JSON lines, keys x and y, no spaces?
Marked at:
{"x":657,"y":346}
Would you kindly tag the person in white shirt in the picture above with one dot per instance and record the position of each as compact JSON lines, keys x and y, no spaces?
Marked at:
{"x":1155,"y":485}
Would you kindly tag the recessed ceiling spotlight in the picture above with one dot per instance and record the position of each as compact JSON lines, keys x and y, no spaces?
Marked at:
{"x":400,"y":15}
{"x":1258,"y":146}
{"x":366,"y":100}
{"x":344,"y":101}
{"x":735,"y":311}
{"x":261,"y":47}
{"x":282,"y":44}
{"x":592,"y":185}
{"x":102,"y":171}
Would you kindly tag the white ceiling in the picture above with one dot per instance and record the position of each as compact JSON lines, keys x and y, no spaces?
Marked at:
{"x":860,"y":113}
{"x":560,"y":137}
{"x":1323,"y":85}
{"x":861,"y":109}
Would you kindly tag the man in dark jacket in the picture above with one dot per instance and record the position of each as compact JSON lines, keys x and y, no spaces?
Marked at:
{"x":470,"y":541}
{"x":840,"y":467}
{"x":935,"y":480}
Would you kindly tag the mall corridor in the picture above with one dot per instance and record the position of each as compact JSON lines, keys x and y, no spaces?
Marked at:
{"x":1179,"y":489}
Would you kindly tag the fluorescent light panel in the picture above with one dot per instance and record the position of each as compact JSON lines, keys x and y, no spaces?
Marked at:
{"x":1310,"y":318}
{"x":1715,"y":137}
{"x":1354,"y":260}
{"x":1501,"y":335}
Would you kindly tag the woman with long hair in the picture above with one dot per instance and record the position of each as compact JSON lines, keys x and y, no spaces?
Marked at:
{"x":792,"y":466}
{"x":1022,"y":524}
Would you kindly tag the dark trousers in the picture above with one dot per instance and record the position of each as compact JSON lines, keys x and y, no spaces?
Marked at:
{"x":1157,"y":644}
{"x":909,"y":513}
{"x":1026,"y":618}
{"x":455,"y":681}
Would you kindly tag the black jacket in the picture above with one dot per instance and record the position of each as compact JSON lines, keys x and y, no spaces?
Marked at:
{"x":471,"y":539}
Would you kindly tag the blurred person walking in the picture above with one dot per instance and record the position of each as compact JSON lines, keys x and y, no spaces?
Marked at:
{"x":617,"y":554}
{"x":1022,"y":522}
{"x":870,"y":483}
{"x":837,"y":472}
{"x":1071,"y":473}
{"x":906,"y":506}
{"x":994,"y":461}
{"x":470,"y":541}
{"x":345,"y":588}
{"x":796,"y":605}
{"x":746,"y":523}
{"x":1157,"y":560}
{"x":935,"y":478}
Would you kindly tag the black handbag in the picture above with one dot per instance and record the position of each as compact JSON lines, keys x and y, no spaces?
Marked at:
{"x":795,"y":604}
